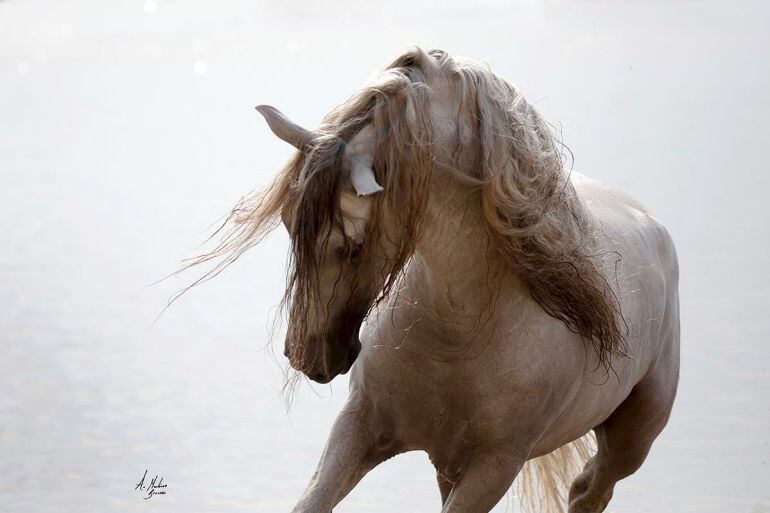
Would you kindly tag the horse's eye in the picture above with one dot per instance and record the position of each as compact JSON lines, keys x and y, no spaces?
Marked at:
{"x":355,"y":252}
{"x":349,"y":252}
{"x":341,"y":253}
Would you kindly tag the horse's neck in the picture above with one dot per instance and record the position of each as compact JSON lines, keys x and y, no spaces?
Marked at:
{"x":456,"y":270}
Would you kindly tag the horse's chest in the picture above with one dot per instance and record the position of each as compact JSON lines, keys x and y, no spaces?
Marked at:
{"x":443,"y":408}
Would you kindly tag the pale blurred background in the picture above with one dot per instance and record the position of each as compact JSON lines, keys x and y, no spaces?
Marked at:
{"x":127,"y":127}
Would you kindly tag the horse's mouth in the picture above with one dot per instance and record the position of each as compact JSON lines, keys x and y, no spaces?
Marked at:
{"x":344,"y":365}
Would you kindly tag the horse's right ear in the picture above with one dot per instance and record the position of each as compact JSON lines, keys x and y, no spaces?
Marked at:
{"x":359,"y":153}
{"x":284,"y":128}
{"x":362,"y":176}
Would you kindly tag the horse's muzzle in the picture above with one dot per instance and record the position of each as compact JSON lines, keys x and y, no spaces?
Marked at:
{"x":323,"y":372}
{"x":326,"y":357}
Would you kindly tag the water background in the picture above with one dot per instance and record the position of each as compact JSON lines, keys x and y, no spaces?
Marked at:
{"x":127,"y":127}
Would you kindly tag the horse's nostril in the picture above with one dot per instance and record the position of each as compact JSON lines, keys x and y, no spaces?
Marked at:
{"x":286,"y":352}
{"x":319,"y":377}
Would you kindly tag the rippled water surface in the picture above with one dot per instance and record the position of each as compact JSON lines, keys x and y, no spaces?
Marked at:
{"x":126,"y":128}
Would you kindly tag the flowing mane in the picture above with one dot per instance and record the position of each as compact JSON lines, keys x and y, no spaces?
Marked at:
{"x":533,"y":216}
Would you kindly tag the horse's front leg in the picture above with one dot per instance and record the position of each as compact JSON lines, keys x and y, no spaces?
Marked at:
{"x":484,"y":482}
{"x":350,"y":452}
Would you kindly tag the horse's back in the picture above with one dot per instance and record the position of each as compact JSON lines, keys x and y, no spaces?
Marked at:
{"x":624,"y":223}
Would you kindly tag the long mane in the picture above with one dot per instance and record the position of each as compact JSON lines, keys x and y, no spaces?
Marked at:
{"x":532,"y":211}
{"x":533,"y":216}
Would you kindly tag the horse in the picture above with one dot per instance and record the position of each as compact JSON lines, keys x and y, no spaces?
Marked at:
{"x":493,"y":307}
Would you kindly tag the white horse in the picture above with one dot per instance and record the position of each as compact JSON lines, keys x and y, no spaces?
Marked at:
{"x":511,"y":307}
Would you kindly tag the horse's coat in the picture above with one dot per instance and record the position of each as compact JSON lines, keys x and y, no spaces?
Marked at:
{"x":499,"y":337}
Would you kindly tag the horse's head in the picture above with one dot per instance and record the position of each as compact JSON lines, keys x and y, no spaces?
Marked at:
{"x":335,"y":276}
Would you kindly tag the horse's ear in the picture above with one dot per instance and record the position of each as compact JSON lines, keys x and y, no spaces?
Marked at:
{"x":284,"y":128}
{"x":362,"y":176}
{"x":359,"y":152}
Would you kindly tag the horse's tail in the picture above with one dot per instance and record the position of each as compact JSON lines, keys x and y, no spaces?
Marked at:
{"x":543,"y":484}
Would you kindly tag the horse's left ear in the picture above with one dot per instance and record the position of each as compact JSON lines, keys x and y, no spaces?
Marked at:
{"x":284,"y":128}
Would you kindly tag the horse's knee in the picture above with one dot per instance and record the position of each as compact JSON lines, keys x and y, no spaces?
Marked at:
{"x":583,"y":480}
{"x":592,"y":489}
